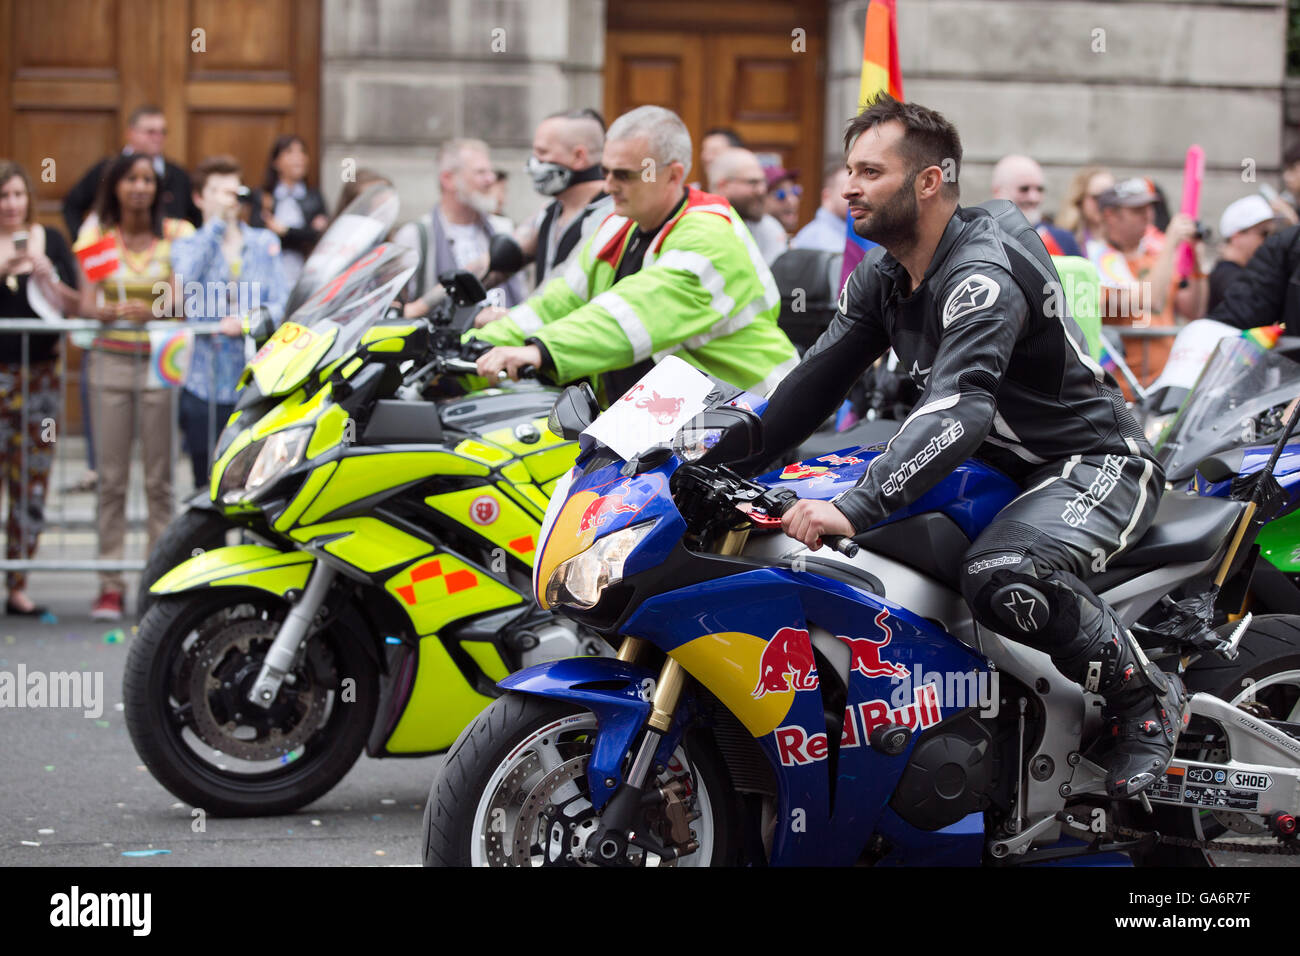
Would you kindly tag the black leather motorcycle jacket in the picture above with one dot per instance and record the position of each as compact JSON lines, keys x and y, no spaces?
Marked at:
{"x":1004,"y":371}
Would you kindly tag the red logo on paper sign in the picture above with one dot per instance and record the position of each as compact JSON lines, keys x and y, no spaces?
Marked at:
{"x":786,"y":663}
{"x":484,"y":509}
{"x":865,"y":653}
{"x":664,"y":410}
{"x":605,"y":507}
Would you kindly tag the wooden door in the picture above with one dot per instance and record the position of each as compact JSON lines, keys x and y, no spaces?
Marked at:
{"x":229,"y":75}
{"x":757,"y":66}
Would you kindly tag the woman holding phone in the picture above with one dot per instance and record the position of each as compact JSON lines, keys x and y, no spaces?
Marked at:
{"x":40,"y":280}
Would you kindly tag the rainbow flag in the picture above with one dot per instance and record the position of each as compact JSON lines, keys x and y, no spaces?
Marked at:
{"x":880,"y":72}
{"x":1265,"y":336}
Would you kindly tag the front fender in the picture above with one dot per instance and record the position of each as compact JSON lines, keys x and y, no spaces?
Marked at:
{"x":615,"y":691}
{"x":243,"y":565}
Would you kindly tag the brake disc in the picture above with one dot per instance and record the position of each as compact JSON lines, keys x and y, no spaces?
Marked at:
{"x":560,"y":828}
{"x":223,"y":665}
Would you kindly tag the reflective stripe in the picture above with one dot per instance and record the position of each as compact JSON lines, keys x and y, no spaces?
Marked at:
{"x":1141,"y":501}
{"x":576,"y":279}
{"x":606,"y":232}
{"x":773,"y":379}
{"x":638,"y":335}
{"x":524,"y":317}
{"x":1065,"y":473}
{"x":1020,"y":451}
{"x":713,"y":207}
{"x":713,"y":281}
{"x":726,"y":326}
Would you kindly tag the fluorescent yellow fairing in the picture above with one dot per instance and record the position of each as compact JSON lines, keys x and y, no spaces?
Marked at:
{"x":288,"y":357}
{"x":494,"y":516}
{"x":487,"y":657}
{"x":367,"y":543}
{"x":251,"y":565}
{"x":441,"y":703}
{"x":361,"y":475}
{"x":440,"y":589}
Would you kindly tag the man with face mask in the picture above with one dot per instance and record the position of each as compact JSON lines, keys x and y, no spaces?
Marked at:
{"x":970,"y":301}
{"x":455,"y":233}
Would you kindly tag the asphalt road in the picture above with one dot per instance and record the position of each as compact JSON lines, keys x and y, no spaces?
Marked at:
{"x":73,"y":792}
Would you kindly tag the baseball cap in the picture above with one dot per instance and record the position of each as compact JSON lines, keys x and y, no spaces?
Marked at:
{"x":775,"y":174}
{"x":1128,"y":193}
{"x":1245,"y":213}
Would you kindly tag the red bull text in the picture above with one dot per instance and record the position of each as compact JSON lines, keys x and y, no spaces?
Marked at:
{"x":795,"y":746}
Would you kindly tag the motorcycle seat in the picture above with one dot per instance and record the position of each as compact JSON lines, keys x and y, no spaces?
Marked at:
{"x":1186,"y":528}
{"x":1224,"y":466}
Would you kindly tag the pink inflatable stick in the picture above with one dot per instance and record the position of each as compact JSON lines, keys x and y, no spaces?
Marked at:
{"x":1193,"y":173}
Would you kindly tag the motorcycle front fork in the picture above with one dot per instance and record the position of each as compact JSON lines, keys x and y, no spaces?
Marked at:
{"x":284,"y":649}
{"x":622,"y":811}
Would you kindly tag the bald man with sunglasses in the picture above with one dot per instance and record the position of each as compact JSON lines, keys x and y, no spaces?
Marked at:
{"x":672,"y":271}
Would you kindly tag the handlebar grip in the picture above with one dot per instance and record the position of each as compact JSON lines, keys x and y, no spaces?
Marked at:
{"x":844,"y":545}
{"x":527,"y":371}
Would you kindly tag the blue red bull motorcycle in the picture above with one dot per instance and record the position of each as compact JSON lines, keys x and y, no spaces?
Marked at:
{"x":772,"y":705}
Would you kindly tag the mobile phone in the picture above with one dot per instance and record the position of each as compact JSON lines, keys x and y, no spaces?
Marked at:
{"x":244,"y":194}
{"x":20,"y":242}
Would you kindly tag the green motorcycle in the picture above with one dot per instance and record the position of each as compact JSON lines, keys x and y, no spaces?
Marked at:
{"x":390,"y":588}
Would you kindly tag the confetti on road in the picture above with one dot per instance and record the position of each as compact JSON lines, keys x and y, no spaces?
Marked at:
{"x":29,"y":843}
{"x":49,"y":618}
{"x":315,"y":823}
{"x":115,"y":636}
{"x":380,"y":853}
{"x":145,"y":852}
{"x":377,"y":816}
{"x":44,"y":831}
{"x":119,"y":706}
{"x":101,"y":723}
{"x":388,"y":802}
{"x":49,"y":767}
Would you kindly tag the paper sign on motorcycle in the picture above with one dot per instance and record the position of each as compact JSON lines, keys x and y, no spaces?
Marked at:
{"x":653,"y":410}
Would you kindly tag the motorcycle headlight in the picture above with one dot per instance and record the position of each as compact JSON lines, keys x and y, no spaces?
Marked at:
{"x":579,"y":581}
{"x":262,"y":462}
{"x":1154,"y":427}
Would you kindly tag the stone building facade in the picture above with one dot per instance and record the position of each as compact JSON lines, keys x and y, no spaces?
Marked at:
{"x":1126,"y":83}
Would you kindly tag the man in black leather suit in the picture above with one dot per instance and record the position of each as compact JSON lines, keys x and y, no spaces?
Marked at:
{"x":969,"y":300}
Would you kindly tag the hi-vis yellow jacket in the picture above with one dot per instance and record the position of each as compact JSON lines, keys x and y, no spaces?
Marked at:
{"x":703,"y":293}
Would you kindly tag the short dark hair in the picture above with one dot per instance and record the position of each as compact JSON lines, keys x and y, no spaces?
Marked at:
{"x":282,"y":142}
{"x":732,"y":136}
{"x":220,"y":165}
{"x":928,"y":138}
{"x":1291,"y":156}
{"x":109,"y":208}
{"x":142,"y":111}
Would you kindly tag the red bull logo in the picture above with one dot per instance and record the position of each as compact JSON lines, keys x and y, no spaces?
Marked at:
{"x":605,"y":507}
{"x":787,"y":664}
{"x":865,"y":653}
{"x":795,"y":746}
{"x":837,"y":460}
{"x":664,"y":410}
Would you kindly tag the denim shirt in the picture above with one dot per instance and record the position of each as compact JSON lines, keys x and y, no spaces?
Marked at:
{"x":197,"y":261}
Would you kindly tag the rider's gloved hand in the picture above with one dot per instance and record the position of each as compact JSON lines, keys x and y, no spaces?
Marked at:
{"x":511,"y":358}
{"x":808,"y":520}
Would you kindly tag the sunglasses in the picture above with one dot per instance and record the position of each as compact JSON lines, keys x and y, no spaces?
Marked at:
{"x":620,"y":175}
{"x":789,"y":192}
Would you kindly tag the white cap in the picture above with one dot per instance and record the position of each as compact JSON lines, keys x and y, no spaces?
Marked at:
{"x":1243,"y":214}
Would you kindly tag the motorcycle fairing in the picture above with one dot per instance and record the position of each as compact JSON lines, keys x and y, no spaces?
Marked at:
{"x":243,"y":565}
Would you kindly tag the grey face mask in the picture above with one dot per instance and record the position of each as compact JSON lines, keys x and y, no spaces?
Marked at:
{"x":551,"y":179}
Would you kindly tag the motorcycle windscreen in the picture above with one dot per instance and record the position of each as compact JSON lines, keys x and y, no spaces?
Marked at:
{"x":355,"y":231}
{"x":1241,"y":397}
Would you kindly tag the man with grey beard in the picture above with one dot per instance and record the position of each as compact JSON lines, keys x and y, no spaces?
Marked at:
{"x":455,"y":233}
{"x":737,"y":177}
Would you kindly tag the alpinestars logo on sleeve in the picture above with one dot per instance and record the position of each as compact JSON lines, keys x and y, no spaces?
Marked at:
{"x":975,"y":293}
{"x":843,"y":303}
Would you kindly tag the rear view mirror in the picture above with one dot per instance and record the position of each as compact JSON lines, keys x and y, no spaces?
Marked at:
{"x":504,"y":255}
{"x":574,"y":410}
{"x":463,"y":288}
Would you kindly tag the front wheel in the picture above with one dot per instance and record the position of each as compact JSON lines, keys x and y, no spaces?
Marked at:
{"x":513,"y":792}
{"x":188,"y":673}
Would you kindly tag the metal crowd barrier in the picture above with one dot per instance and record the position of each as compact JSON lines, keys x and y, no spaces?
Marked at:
{"x":75,"y":532}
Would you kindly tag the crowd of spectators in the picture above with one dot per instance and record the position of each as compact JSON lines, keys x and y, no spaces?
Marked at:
{"x":165,"y":224}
